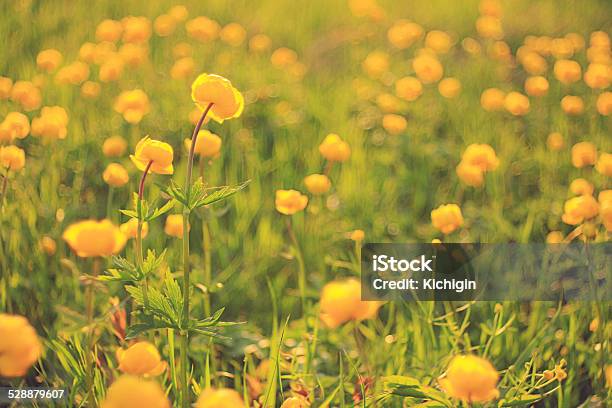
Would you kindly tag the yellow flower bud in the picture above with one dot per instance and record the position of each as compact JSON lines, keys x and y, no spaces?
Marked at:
{"x":376,"y":64}
{"x":427,"y":68}
{"x":492,"y":99}
{"x":471,"y":379}
{"x":584,"y":154}
{"x":536,"y":86}
{"x":447,"y":218}
{"x":92,"y":238}
{"x":114,"y":146}
{"x":133,"y":105}
{"x":136,"y":29}
{"x":233,"y":34}
{"x":49,"y":60}
{"x":449,"y":88}
{"x":516,"y":103}
{"x":317,"y":184}
{"x":289,"y":202}
{"x":567,"y":71}
{"x":555,"y":141}
{"x":572,"y":105}
{"x":115,"y":175}
{"x":581,"y":186}
{"x":408,"y":88}
{"x":394,"y":124}
{"x":48,"y":245}
{"x":578,"y":209}
{"x":109,"y":30}
{"x":333,"y":148}
{"x":604,"y":164}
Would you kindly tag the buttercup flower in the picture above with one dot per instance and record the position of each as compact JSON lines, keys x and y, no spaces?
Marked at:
{"x":16,"y":125}
{"x":408,"y":88}
{"x":427,"y":68}
{"x":227,"y":102}
{"x":26,"y":94}
{"x":289,"y":202}
{"x":449,"y":87}
{"x":555,"y":141}
{"x":376,"y":64}
{"x":75,"y":73}
{"x":133,"y":392}
{"x":90,"y":89}
{"x":481,"y":155}
{"x":578,"y":209}
{"x":51,"y":124}
{"x":182,"y":50}
{"x":114,"y":146}
{"x":572,"y":105}
{"x":202,"y":29}
{"x":115,"y":175}
{"x":183,"y":68}
{"x":333,"y":148}
{"x":533,"y":63}
{"x":567,"y":71}
{"x":604,"y":164}
{"x":295,"y":402}
{"x":470,"y":174}
{"x":111,"y":69}
{"x":317,"y":184}
{"x":283,"y":57}
{"x":133,"y":55}
{"x":19,"y":345}
{"x":447,"y":218}
{"x":357,"y":235}
{"x":341,"y":302}
{"x":174,"y":226}
{"x":605,"y":209}
{"x":207,"y":145}
{"x":584,"y":154}
{"x":394,"y":124}
{"x":581,"y":186}
{"x":164,"y":25}
{"x":604,"y":103}
{"x":12,"y":158}
{"x":471,"y":379}
{"x":140,"y":358}
{"x":48,"y":245}
{"x":233,"y":34}
{"x":597,"y":76}
{"x":159,"y":154}
{"x":516,"y":103}
{"x":492,"y":99}
{"x":554,"y":237}
{"x":489,"y":27}
{"x":260,"y":43}
{"x":133,"y":105}
{"x":6,"y":84}
{"x":536,"y":86}
{"x":92,"y":238}
{"x":136,"y":29}
{"x":49,"y":60}
{"x":404,"y":33}
{"x":219,"y":398}
{"x":109,"y":30}
{"x":130,"y":228}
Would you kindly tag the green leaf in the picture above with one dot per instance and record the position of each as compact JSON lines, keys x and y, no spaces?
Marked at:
{"x":406,"y":386}
{"x":160,"y":211}
{"x":523,"y":400}
{"x":218,"y":194}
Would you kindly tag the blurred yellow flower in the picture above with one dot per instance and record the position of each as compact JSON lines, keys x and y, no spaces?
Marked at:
{"x":449,"y":87}
{"x":19,"y":345}
{"x":578,"y":209}
{"x":48,"y":245}
{"x":283,"y":57}
{"x":202,"y":29}
{"x":357,"y":235}
{"x":260,"y":43}
{"x":27,"y":95}
{"x":404,"y":33}
{"x":572,"y":105}
{"x":375,"y":64}
{"x":470,"y":174}
{"x":394,"y":124}
{"x":130,"y":228}
{"x":49,"y":60}
{"x":219,"y":398}
{"x":6,"y":84}
{"x":141,"y":358}
{"x":164,"y":25}
{"x":295,"y":402}
{"x":133,"y":55}
{"x":136,"y":29}
{"x":114,"y":146}
{"x":183,"y":68}
{"x":554,"y":237}
{"x":317,"y":184}
{"x":471,"y":379}
{"x":111,"y":69}
{"x":567,"y":71}
{"x":90,"y":89}
{"x":75,"y":73}
{"x":581,"y":186}
{"x":490,"y":8}
{"x":12,"y":158}
{"x":174,"y":226}
{"x":341,"y":302}
{"x":333,"y":148}
{"x":51,"y":124}
{"x":584,"y":154}
{"x":182,"y":50}
{"x":604,"y":103}
{"x":92,"y":238}
{"x":481,"y":155}
{"x":115,"y":175}
{"x":133,"y":105}
{"x":489,"y":27}
{"x":427,"y":68}
{"x":534,"y":63}
{"x":207,"y":145}
{"x":555,"y":141}
{"x":178,"y":12}
{"x":109,"y":30}
{"x":158,"y":153}
{"x":516,"y":103}
{"x":15,"y":126}
{"x":438,"y":41}
{"x":134,"y":392}
{"x":233,"y":34}
{"x":536,"y":86}
{"x":408,"y":88}
{"x":227,"y":102}
{"x":597,"y":76}
{"x":604,"y":164}
{"x":605,"y":208}
{"x":447,"y":218}
{"x":388,"y":103}
{"x":289,"y":202}
{"x":492,"y":99}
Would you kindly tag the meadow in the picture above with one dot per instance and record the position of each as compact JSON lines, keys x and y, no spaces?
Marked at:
{"x":185,"y":190}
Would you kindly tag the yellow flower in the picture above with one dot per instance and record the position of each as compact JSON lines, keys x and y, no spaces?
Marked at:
{"x":202,"y":29}
{"x":74,"y":74}
{"x":219,"y":398}
{"x":567,"y":71}
{"x":555,"y":141}
{"x":6,"y":84}
{"x":49,"y":60}
{"x":164,"y":25}
{"x":609,"y":376}
{"x":471,"y":379}
{"x":90,"y":89}
{"x":492,"y":99}
{"x":183,"y":68}
{"x":516,"y":103}
{"x":357,"y":235}
{"x":333,"y":148}
{"x":133,"y":105}
{"x":604,"y":103}
{"x":536,"y":86}
{"x":140,"y":358}
{"x":207,"y":145}
{"x":16,"y":125}
{"x":449,"y":87}
{"x":341,"y":302}
{"x":174,"y":225}
{"x":387,"y":102}
{"x":295,"y":402}
{"x":604,"y":164}
{"x":159,"y":153}
{"x":584,"y":154}
{"x":554,"y":237}
{"x":283,"y":57}
{"x":470,"y":174}
{"x":179,"y":13}
{"x":19,"y":345}
{"x":481,"y":155}
{"x":111,"y":69}
{"x":136,"y":29}
{"x":260,"y":43}
{"x":133,"y":392}
{"x":289,"y":202}
{"x":115,"y":175}
{"x":581,"y":186}
{"x":404,"y":33}
{"x":114,"y":146}
{"x":12,"y":158}
{"x":489,"y":27}
{"x":233,"y":34}
{"x":597,"y":76}
{"x":26,"y":94}
{"x":534,"y":63}
{"x":572,"y":105}
{"x":376,"y":64}
{"x":51,"y":124}
{"x":317,"y":184}
{"x":439,"y":41}
{"x":182,"y":50}
{"x":109,"y":30}
{"x":227,"y":102}
{"x":394,"y":124}
{"x":427,"y":68}
{"x":48,"y":245}
{"x":408,"y":88}
{"x":92,"y":238}
{"x":578,"y":209}
{"x":133,"y":54}
{"x":447,"y":218}
{"x":130,"y":228}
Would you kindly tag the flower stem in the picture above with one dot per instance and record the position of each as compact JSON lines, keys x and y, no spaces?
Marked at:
{"x":3,"y":188}
{"x":90,"y":359}
{"x":139,"y":256}
{"x":109,"y":203}
{"x":186,"y":269}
